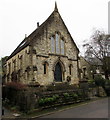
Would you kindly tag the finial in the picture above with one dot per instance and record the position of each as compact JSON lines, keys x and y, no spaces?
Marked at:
{"x":56,"y":9}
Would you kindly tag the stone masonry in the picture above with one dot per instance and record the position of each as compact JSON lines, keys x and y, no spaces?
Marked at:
{"x":33,"y":60}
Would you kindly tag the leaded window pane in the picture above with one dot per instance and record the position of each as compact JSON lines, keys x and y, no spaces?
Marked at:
{"x":57,"y":44}
{"x":52,"y":45}
{"x":62,"y":47}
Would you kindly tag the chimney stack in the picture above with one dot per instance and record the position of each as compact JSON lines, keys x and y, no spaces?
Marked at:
{"x":25,"y":35}
{"x":37,"y":24}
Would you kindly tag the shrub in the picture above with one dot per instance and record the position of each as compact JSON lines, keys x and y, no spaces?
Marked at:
{"x":75,"y":96}
{"x":15,"y":108}
{"x":91,"y":83}
{"x":99,"y":81}
{"x":66,"y":95}
{"x":80,"y":94}
{"x":6,"y":102}
{"x":107,"y":87}
{"x":55,"y":96}
{"x":48,"y":100}
{"x":41,"y":102}
{"x":13,"y":93}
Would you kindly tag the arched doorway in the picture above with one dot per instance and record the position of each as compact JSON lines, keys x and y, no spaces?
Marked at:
{"x":58,"y":73}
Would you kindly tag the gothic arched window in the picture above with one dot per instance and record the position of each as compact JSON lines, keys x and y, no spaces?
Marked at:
{"x":62,"y":47}
{"x":52,"y":44}
{"x":57,"y":43}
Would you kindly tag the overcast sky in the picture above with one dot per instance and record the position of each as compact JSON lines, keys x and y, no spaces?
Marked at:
{"x":20,"y":17}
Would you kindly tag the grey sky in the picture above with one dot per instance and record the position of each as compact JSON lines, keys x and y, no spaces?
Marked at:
{"x":20,"y":17}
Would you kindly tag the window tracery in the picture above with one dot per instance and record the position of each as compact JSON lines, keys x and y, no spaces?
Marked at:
{"x":57,"y":44}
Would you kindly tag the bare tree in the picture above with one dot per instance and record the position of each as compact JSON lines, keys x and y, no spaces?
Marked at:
{"x":99,"y":48}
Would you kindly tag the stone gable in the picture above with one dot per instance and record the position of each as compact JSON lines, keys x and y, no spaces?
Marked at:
{"x":38,"y":60}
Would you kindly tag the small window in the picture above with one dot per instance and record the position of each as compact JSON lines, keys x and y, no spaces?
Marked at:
{"x":70,"y":69}
{"x":45,"y":68}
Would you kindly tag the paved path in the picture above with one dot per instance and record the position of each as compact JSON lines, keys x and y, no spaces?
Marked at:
{"x":95,"y":109}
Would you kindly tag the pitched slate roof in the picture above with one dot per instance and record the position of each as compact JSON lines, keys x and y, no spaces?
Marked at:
{"x":27,"y":41}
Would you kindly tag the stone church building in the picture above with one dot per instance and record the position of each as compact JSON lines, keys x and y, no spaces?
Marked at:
{"x":48,"y":55}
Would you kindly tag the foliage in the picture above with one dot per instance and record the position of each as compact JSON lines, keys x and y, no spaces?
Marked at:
{"x":5,"y":102}
{"x":97,"y":49}
{"x":28,"y":99}
{"x":91,"y":83}
{"x":41,"y":102}
{"x":66,"y":96}
{"x":16,"y":94}
{"x":107,"y":83}
{"x":75,"y":96}
{"x":48,"y":100}
{"x":107,"y":87}
{"x":15,"y":108}
{"x":80,"y":94}
{"x":56,"y":97}
{"x":99,"y":81}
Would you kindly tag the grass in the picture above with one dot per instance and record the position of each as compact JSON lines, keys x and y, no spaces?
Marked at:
{"x":38,"y":113}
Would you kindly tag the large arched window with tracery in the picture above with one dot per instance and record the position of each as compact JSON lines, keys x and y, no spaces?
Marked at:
{"x":57,"y":44}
